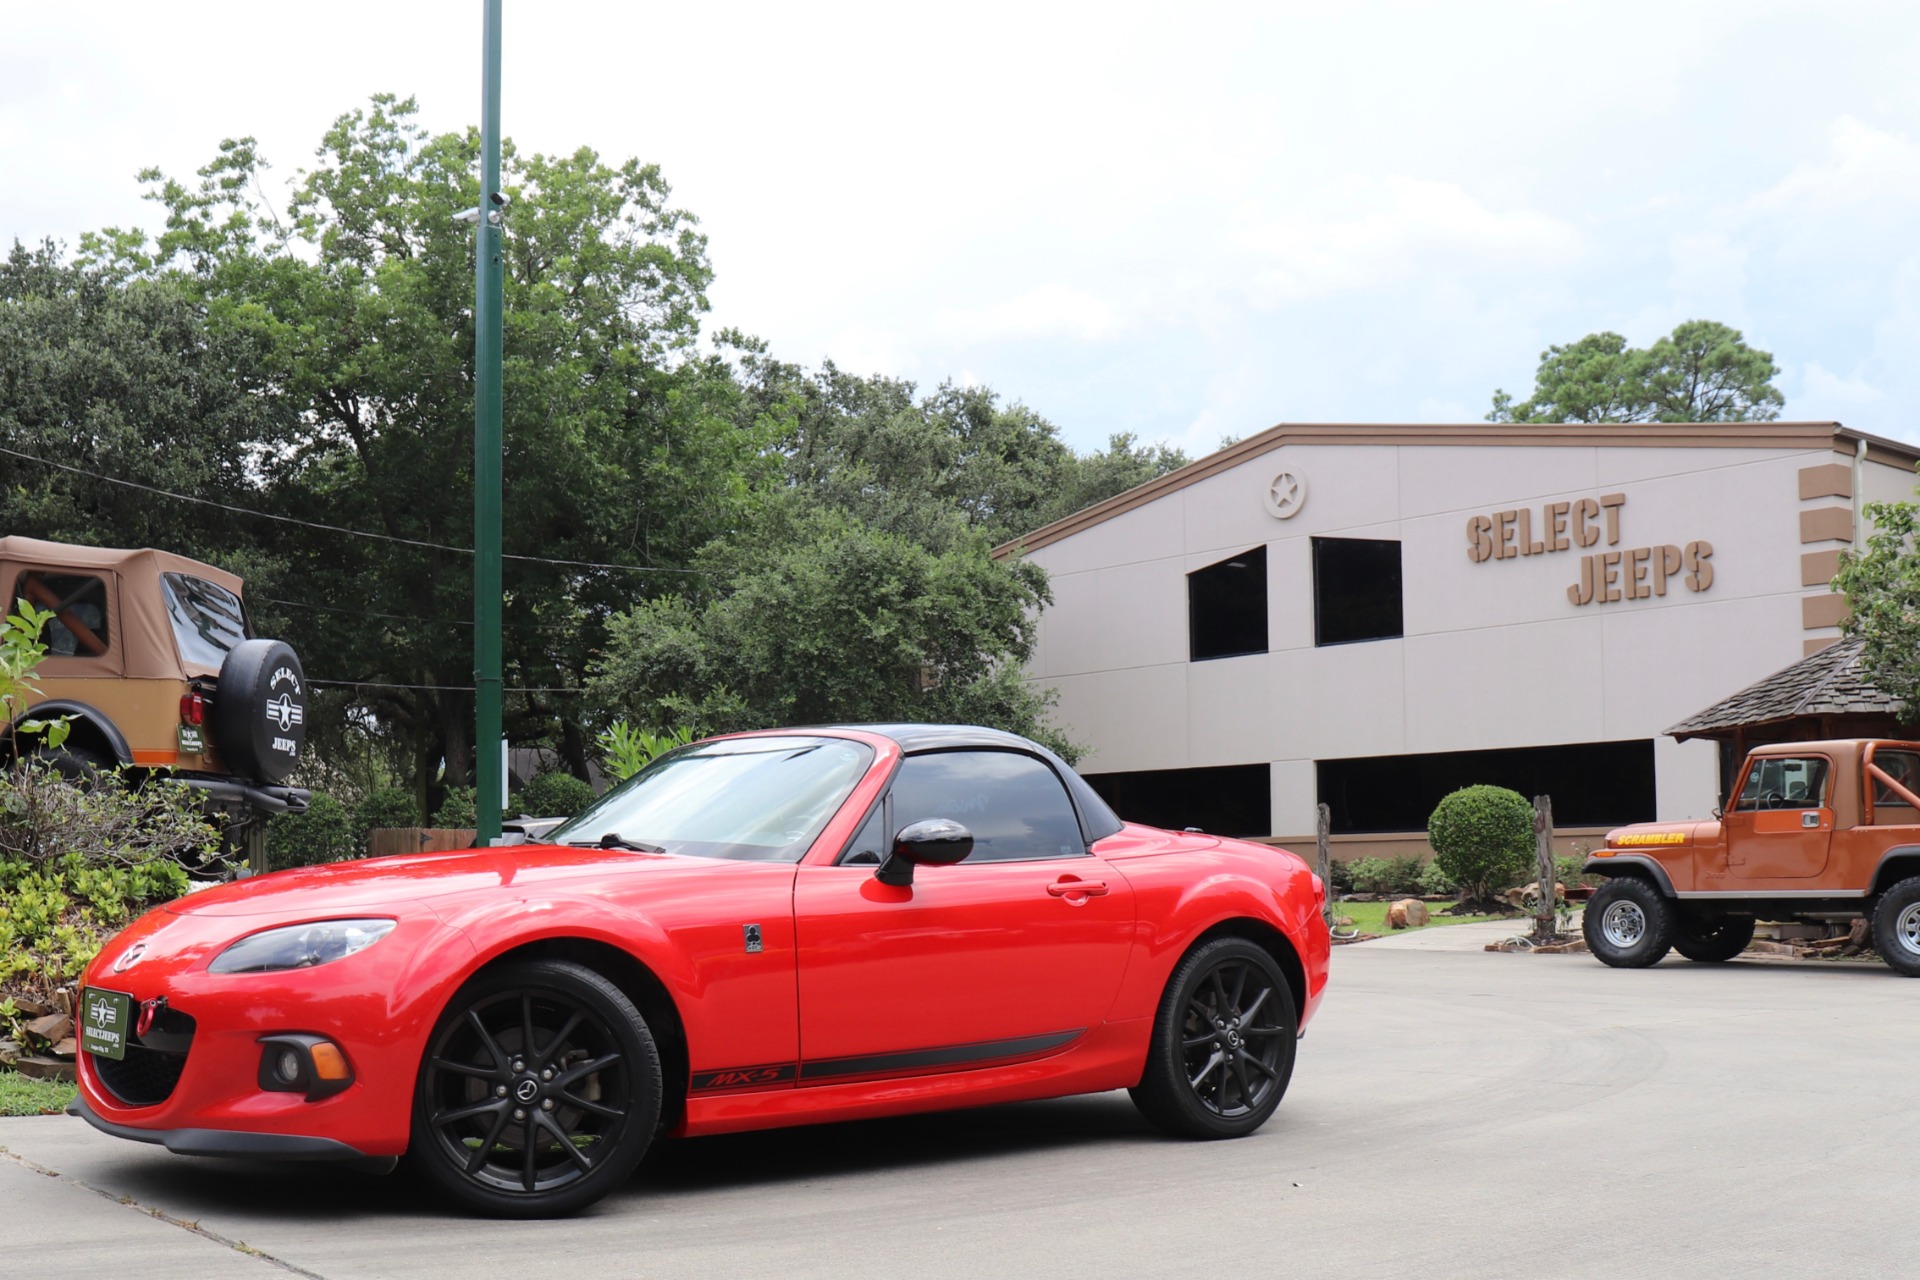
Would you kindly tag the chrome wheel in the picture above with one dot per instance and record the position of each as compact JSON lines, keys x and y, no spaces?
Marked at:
{"x":1906,"y":928}
{"x":1623,"y":924}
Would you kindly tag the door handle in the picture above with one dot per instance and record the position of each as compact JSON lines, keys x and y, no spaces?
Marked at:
{"x":1084,"y":888}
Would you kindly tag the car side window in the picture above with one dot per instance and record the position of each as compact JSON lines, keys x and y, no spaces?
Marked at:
{"x":1785,"y":782}
{"x":868,"y":848}
{"x":79,"y":624}
{"x":1014,"y":804}
{"x":1903,"y":767}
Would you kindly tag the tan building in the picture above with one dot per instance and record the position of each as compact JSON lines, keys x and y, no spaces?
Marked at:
{"x":1370,"y":616}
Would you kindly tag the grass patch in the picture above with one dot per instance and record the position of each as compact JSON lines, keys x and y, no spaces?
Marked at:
{"x":24,"y":1096}
{"x":1371,"y":917}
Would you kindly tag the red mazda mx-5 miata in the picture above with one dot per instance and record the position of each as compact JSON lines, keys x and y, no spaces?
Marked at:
{"x":763,"y":929}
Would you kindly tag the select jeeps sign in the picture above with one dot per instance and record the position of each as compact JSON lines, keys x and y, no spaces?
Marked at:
{"x":1606,"y":577}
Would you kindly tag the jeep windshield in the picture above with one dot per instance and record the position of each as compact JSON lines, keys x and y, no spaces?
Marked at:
{"x":759,"y":799}
{"x":207,"y":619}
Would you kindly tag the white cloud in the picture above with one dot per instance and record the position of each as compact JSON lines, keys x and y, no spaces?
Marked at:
{"x":1049,"y":311}
{"x":1364,"y":232}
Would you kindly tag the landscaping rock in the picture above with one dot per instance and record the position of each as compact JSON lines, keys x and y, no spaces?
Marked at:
{"x":44,"y":1068}
{"x":9,"y":1052}
{"x":55,"y":1026}
{"x":1407,"y":913}
{"x":28,"y":1007}
{"x":67,"y":1050}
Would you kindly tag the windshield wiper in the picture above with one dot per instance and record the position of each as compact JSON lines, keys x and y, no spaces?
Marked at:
{"x":614,"y":840}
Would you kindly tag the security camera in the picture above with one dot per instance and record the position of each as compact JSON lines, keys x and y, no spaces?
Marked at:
{"x":500,"y":198}
{"x":467,"y":215}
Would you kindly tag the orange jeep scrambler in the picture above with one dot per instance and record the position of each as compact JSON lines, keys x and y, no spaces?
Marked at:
{"x":150,"y":657}
{"x":1817,"y":832}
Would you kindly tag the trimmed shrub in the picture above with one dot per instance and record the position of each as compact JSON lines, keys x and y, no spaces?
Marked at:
{"x":1371,"y":875}
{"x":554,"y":794}
{"x":324,"y":833}
{"x":1482,"y":838}
{"x":387,"y":807}
{"x":1435,"y":882}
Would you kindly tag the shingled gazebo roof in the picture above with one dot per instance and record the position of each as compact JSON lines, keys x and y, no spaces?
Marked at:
{"x":1828,"y":691}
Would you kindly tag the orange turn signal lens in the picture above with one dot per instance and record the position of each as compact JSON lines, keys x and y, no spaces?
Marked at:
{"x":329,"y":1063}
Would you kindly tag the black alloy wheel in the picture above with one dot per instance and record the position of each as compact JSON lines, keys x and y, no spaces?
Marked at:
{"x":539,"y":1092}
{"x":1223,"y":1043}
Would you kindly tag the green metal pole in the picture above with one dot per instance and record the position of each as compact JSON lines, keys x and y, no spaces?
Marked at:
{"x":487,"y":305}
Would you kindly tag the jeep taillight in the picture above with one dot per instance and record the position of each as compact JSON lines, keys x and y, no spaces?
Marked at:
{"x":193,"y":709}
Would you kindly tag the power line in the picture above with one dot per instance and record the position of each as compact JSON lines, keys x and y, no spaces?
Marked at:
{"x":408,"y":617}
{"x":335,"y":528}
{"x":441,"y":688}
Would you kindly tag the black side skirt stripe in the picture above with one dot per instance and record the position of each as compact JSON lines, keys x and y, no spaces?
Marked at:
{"x":977,"y":1054}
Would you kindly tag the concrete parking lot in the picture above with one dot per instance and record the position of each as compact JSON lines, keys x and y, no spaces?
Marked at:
{"x":1454,"y":1113}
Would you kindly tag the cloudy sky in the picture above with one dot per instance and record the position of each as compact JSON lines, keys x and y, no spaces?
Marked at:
{"x":1185,"y":221}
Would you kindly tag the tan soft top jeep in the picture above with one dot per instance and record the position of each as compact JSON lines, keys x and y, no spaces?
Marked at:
{"x":1817,"y":832}
{"x":150,"y":657}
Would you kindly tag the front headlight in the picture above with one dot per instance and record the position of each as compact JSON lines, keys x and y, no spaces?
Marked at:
{"x":300,"y":946}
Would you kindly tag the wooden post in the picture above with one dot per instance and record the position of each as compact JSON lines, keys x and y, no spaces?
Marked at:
{"x":1543,"y":913}
{"x":1323,"y":855}
{"x":256,"y":843}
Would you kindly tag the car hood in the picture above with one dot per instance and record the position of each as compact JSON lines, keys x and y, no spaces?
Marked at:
{"x":389,"y":885}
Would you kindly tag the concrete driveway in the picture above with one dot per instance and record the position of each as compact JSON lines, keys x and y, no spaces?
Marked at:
{"x":1454,"y":1113}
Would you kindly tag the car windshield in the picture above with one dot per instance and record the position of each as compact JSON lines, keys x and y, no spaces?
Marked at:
{"x":762,"y":799}
{"x":207,"y":618}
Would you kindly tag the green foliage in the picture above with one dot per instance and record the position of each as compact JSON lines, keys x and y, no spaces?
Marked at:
{"x":552,"y":794}
{"x":1385,"y":875}
{"x":456,"y":811}
{"x":385,"y":807}
{"x":1702,"y":372}
{"x":1434,"y":882}
{"x":20,"y":652}
{"x":628,"y":750}
{"x":1483,"y":839}
{"x":77,"y":862}
{"x":838,"y":622}
{"x":1340,"y":876}
{"x":325,"y":832}
{"x":1567,"y":869}
{"x":1882,"y":585}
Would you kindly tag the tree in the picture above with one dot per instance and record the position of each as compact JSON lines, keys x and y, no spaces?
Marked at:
{"x":1882,"y":586}
{"x":623,"y":445}
{"x":1702,"y":372}
{"x":835,"y":621}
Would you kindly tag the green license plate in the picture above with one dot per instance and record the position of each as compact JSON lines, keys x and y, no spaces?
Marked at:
{"x":190,"y":740}
{"x":106,"y":1020}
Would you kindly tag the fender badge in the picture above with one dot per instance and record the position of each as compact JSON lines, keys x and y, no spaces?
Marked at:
{"x":129,"y":957}
{"x":752,"y":932}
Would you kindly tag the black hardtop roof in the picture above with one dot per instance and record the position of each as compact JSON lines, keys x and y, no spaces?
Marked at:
{"x":1096,"y":816}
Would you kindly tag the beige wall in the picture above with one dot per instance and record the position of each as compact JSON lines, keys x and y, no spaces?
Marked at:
{"x":1494,"y":654}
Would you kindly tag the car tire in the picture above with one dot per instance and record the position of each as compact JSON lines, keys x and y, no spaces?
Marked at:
{"x":1896,"y":927}
{"x":1223,"y":1043}
{"x":539,"y":1092}
{"x":76,"y":764}
{"x":1712,"y":939}
{"x":1628,"y":923}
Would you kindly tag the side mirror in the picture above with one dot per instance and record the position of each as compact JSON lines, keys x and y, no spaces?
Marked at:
{"x":933,"y":842}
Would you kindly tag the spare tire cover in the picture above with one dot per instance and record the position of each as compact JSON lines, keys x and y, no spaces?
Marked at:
{"x":260,"y":710}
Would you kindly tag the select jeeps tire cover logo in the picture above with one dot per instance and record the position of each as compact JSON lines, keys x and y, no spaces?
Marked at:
{"x":260,"y":710}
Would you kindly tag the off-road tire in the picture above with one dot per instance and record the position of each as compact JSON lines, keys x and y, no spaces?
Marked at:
{"x":1223,"y":1043}
{"x":259,"y":718}
{"x":1628,"y":923}
{"x":76,"y":764}
{"x":1896,"y":927}
{"x":1712,"y":939}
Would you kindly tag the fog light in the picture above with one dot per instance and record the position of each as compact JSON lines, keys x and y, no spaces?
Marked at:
{"x":287,"y":1066}
{"x":295,"y":1062}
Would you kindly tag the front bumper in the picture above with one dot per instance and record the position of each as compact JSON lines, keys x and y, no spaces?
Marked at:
{"x":230,"y":1142}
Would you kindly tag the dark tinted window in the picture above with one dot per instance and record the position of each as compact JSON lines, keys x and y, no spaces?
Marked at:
{"x":869,"y":845}
{"x":1227,"y":607}
{"x":1013,"y":804}
{"x":79,"y":627}
{"x":1356,"y":590}
{"x":1593,"y":784}
{"x":207,"y":618}
{"x":1903,"y":767}
{"x":1232,"y":800}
